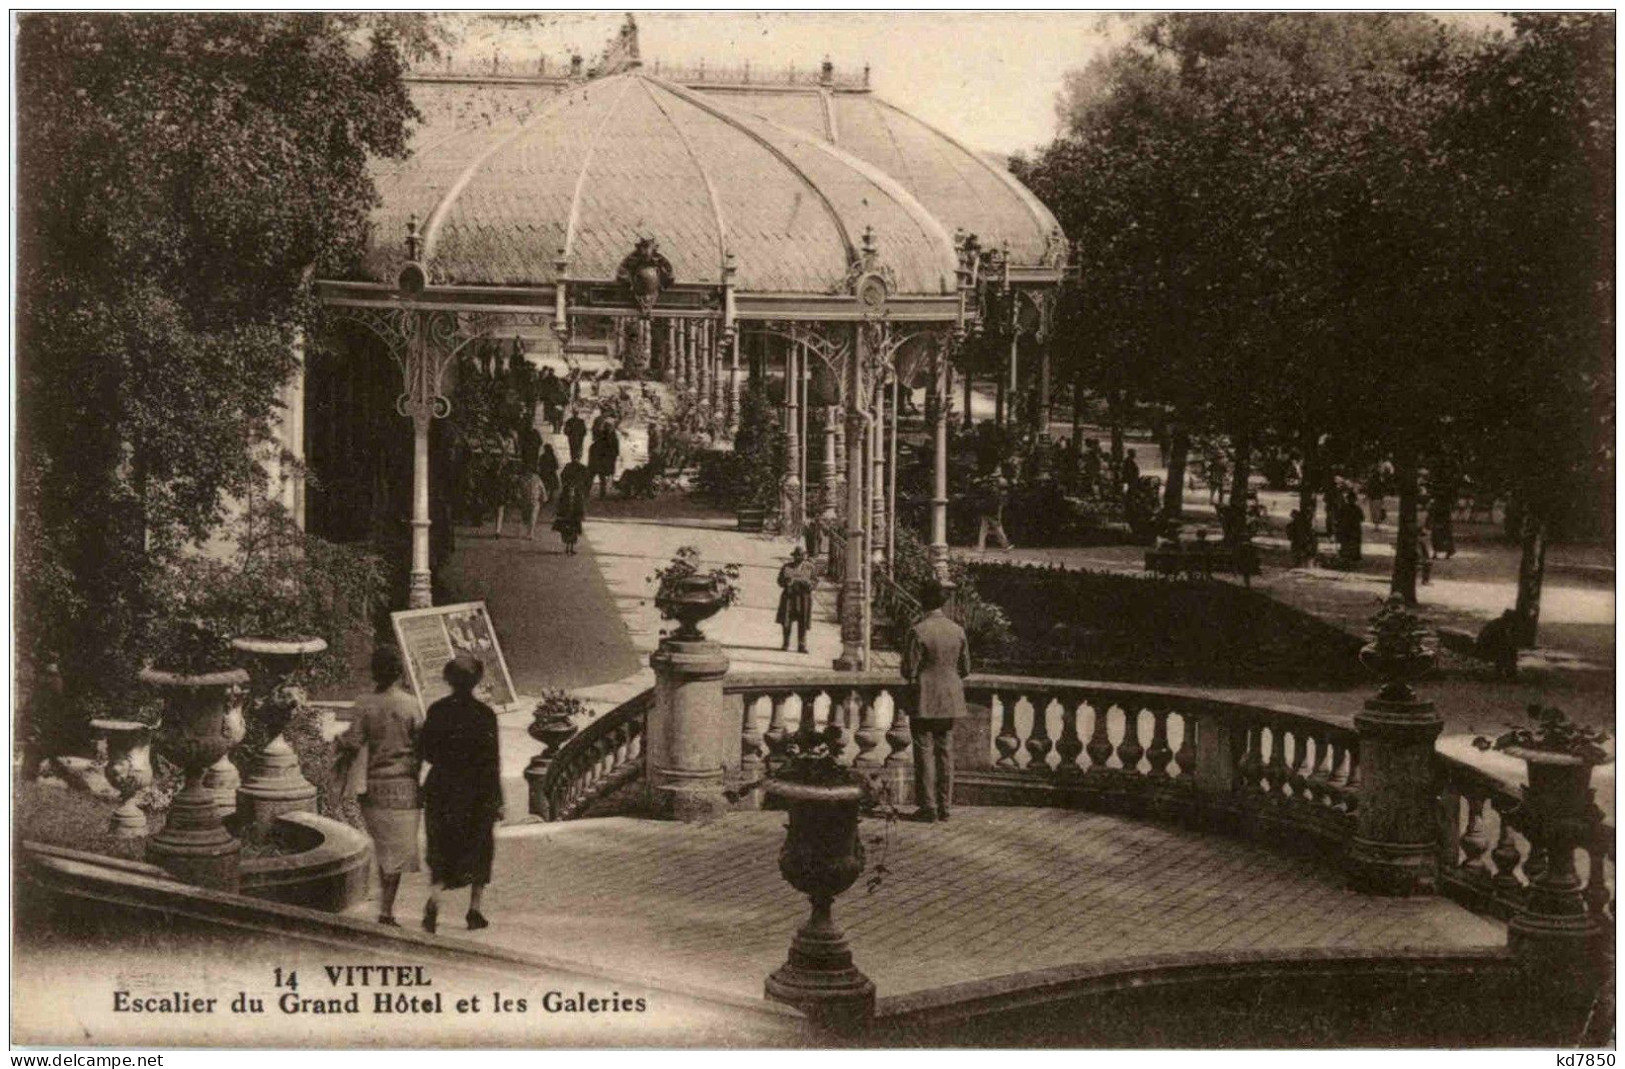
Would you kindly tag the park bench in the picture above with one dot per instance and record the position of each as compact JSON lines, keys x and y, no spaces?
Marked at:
{"x":1203,"y":559}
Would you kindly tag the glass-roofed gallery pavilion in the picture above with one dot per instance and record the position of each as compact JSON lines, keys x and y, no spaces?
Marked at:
{"x":702,"y":223}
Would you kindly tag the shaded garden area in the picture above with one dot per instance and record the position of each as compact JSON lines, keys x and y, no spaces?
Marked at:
{"x":1098,"y":625}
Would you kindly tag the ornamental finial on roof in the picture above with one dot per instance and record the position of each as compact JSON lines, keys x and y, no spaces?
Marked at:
{"x":826,"y":73}
{"x":412,"y":239}
{"x":869,"y":250}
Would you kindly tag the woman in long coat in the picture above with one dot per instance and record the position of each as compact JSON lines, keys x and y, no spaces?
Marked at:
{"x":574,"y":483}
{"x":795,"y":597}
{"x":462,"y":795}
{"x":387,"y":724}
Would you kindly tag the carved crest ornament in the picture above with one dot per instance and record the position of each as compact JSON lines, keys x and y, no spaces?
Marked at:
{"x":645,"y":273}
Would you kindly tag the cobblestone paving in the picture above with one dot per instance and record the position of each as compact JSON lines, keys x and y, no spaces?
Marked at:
{"x":996,"y":891}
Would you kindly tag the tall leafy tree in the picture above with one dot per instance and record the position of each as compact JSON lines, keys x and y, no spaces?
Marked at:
{"x":1531,"y":141}
{"x":181,"y":178}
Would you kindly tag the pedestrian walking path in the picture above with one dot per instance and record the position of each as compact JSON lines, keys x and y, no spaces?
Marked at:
{"x":994,"y":892}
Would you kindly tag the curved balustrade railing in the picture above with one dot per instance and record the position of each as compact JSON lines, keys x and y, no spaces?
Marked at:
{"x":1048,"y":741}
{"x":607,"y":754}
{"x":1491,"y":848}
{"x":1269,"y":772}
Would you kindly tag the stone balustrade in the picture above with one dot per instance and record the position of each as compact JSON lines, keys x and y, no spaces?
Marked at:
{"x":1492,"y":851}
{"x":607,"y":754}
{"x":1268,"y":772}
{"x":1059,"y":742}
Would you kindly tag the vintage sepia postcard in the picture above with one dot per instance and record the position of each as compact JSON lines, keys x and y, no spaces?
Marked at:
{"x":743,"y":529}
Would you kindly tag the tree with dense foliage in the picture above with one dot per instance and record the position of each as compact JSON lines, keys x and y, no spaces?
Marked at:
{"x":1369,"y":235}
{"x":1532,"y":137}
{"x":181,"y":178}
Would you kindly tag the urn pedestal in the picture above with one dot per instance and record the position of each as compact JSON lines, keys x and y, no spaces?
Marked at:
{"x":691,"y":743}
{"x":203,"y":720}
{"x":822,"y":857}
{"x":1554,"y":922}
{"x":129,"y":770}
{"x":275,"y":784}
{"x":552,"y":731}
{"x":1394,"y":849}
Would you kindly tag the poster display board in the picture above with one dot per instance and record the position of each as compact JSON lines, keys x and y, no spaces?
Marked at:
{"x":428,"y":638}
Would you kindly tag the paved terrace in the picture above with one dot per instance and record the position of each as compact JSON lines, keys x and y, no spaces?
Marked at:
{"x":996,"y":891}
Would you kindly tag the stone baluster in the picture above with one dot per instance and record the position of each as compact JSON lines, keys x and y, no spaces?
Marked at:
{"x":1505,"y":858}
{"x":839,"y":731}
{"x":1160,"y":754}
{"x":1130,"y":751}
{"x":1475,"y":840}
{"x":776,"y":737}
{"x":868,"y":734}
{"x":898,"y":738}
{"x":1298,"y":771}
{"x":1351,"y":797}
{"x":1038,"y":741}
{"x":1275,"y":773}
{"x":1100,"y":745}
{"x":1069,"y":746}
{"x":1185,"y":756}
{"x":1320,"y":775}
{"x":1337,"y":777}
{"x":1006,"y":741}
{"x":1251,"y":767}
{"x":750,"y":743}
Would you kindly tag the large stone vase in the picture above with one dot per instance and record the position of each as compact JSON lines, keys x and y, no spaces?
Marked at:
{"x":275,"y":784}
{"x":129,"y":770}
{"x":1554,"y":919}
{"x":695,"y":600}
{"x":203,"y":720}
{"x":822,"y":857}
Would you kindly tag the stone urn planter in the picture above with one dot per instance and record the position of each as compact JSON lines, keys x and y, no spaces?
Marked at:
{"x":275,"y":784}
{"x":694,"y":600}
{"x":822,"y":857}
{"x":1559,"y":797}
{"x":129,"y":770}
{"x":1401,"y":651}
{"x":1554,"y":920}
{"x":203,"y":720}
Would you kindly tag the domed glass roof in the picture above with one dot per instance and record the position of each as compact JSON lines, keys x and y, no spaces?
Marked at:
{"x":594,"y":168}
{"x":962,"y":188}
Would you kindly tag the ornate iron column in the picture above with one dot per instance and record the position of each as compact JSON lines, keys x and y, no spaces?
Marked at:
{"x":831,"y":473}
{"x":939,"y":466}
{"x":877,"y":475}
{"x":790,"y":503}
{"x":852,"y":644}
{"x":429,"y":352}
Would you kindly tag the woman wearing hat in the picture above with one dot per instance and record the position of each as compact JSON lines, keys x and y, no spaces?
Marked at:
{"x":795,"y":596}
{"x":462,"y":795}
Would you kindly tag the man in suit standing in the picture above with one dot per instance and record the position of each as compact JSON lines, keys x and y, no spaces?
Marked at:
{"x":575,"y":432}
{"x":938,"y":658}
